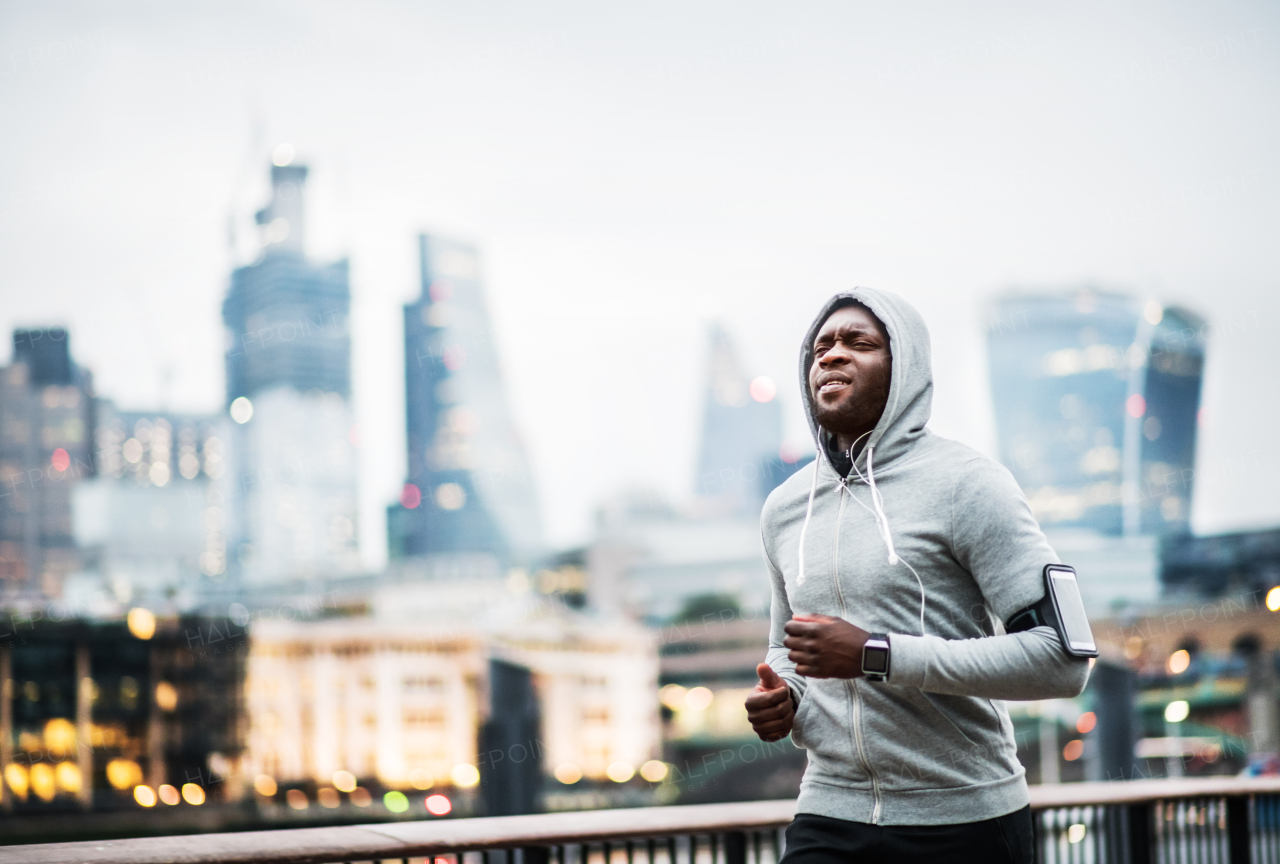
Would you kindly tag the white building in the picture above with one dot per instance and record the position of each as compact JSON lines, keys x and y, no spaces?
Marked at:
{"x":397,"y":703}
{"x":400,"y":696}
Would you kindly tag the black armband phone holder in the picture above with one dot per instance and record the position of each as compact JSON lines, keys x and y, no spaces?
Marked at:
{"x":1061,"y":608}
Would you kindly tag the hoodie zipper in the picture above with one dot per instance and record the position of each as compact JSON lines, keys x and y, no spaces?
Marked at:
{"x":852,"y":684}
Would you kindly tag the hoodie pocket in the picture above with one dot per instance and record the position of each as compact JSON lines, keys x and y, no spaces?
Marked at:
{"x":802,"y":712}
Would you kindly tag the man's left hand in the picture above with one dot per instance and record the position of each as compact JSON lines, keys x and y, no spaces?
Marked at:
{"x":825,"y":647}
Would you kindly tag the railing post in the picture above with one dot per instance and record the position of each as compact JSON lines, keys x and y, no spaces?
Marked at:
{"x":1140,"y":839}
{"x":735,"y":847}
{"x":1238,"y":829}
{"x":536,"y":854}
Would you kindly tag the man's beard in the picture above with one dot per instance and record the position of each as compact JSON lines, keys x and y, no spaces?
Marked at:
{"x":854,"y":416}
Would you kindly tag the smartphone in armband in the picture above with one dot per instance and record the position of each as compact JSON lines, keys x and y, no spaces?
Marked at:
{"x":1061,"y":608}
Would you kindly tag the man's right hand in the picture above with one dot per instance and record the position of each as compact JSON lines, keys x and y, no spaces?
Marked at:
{"x":770,"y":707}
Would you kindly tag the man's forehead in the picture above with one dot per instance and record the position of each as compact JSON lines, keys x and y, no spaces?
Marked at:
{"x":852,"y":316}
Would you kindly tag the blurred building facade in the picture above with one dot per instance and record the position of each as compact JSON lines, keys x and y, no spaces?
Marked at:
{"x":46,"y":449}
{"x":398,"y":703}
{"x":469,"y":487}
{"x":393,"y":705}
{"x":147,"y":525}
{"x":107,"y":716}
{"x":738,"y":460}
{"x":1096,"y":398}
{"x":289,"y":491}
{"x":1241,"y":562}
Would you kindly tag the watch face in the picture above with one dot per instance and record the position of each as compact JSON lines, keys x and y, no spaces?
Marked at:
{"x":875,"y":660}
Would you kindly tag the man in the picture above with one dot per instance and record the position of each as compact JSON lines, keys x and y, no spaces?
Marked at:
{"x":900,"y":536}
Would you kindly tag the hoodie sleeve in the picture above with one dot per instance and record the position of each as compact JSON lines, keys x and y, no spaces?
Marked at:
{"x":994,"y":537}
{"x":779,"y":615}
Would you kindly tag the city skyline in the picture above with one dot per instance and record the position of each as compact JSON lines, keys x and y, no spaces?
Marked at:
{"x":578,"y":217}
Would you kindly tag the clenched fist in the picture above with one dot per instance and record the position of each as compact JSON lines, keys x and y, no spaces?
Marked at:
{"x":825,"y":647}
{"x":770,"y":707}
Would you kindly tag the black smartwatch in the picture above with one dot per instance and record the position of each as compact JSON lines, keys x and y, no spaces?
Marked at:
{"x":875,"y":657}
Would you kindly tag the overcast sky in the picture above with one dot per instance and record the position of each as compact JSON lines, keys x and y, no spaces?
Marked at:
{"x":633,"y":173}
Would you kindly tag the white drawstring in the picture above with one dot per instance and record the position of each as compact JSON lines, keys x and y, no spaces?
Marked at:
{"x":882,"y":523}
{"x":808,"y":513}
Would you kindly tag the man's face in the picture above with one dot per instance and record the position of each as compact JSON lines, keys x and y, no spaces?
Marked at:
{"x":849,"y":378}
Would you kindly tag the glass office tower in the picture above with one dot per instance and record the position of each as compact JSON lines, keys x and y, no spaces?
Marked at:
{"x":1096,"y":398}
{"x":469,"y":487}
{"x":289,"y":491}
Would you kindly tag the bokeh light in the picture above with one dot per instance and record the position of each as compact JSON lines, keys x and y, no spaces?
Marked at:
{"x":698,"y":698}
{"x":568,"y":773}
{"x":620,"y":771}
{"x":654,"y":771}
{"x":438,"y":805}
{"x":144,"y":795}
{"x":450,"y":496}
{"x":166,"y":696}
{"x":395,"y":801}
{"x":193,"y":794}
{"x":464,"y":775}
{"x":141,"y":622}
{"x":1177,"y":711}
{"x":763,"y":389}
{"x":410,"y":496}
{"x":43,"y":781}
{"x":1074,"y":750}
{"x":672,"y":696}
{"x":68,"y":777}
{"x":242,"y":410}
{"x":1179,"y":661}
{"x":344,"y":781}
{"x":169,"y":795}
{"x":265,"y":785}
{"x":1273,"y":599}
{"x":1088,"y":720}
{"x":122,"y":773}
{"x":60,"y":460}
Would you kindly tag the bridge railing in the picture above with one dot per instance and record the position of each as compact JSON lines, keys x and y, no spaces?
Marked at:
{"x":1217,"y":821}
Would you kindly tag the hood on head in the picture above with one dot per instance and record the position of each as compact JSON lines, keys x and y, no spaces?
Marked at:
{"x":911,"y":382}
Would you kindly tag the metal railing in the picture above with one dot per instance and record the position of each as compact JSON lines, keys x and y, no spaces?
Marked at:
{"x":1227,"y":820}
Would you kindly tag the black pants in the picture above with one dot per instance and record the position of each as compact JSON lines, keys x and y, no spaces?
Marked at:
{"x":823,"y":840}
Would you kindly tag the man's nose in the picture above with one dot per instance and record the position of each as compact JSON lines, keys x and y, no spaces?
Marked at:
{"x":835,"y":355}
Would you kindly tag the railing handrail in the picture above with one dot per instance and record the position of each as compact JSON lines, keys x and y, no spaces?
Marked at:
{"x":1138,"y":791}
{"x":433,"y":837}
{"x":410,"y":839}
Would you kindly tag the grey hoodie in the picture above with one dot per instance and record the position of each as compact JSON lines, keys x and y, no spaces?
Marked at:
{"x":934,"y":544}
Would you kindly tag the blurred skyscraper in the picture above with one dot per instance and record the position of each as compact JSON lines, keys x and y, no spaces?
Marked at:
{"x":147,"y":526}
{"x":1096,"y":399}
{"x":290,"y":489}
{"x":469,"y":486}
{"x":46,"y":439}
{"x":738,"y":461}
